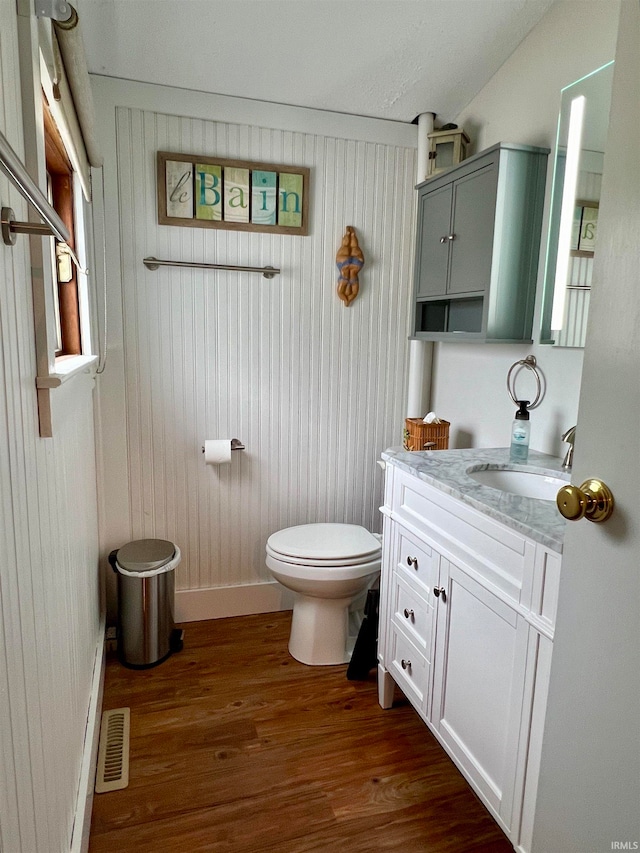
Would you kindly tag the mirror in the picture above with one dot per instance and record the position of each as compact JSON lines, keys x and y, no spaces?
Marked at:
{"x":573,"y":218}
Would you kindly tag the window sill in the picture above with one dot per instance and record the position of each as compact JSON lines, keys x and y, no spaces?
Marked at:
{"x":67,"y":366}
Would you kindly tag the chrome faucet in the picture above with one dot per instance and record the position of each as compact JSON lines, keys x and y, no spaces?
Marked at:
{"x":569,"y":436}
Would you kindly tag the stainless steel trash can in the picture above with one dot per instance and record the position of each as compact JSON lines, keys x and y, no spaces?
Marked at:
{"x":146,"y":633}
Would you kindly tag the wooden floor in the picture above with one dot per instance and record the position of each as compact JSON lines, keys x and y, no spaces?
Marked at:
{"x":235,"y":746}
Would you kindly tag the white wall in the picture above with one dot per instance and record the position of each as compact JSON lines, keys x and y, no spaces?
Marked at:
{"x":315,"y":390}
{"x":49,"y":593}
{"x":521,"y":104}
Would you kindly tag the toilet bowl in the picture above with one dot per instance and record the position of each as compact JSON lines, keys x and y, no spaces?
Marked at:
{"x":327,"y":567}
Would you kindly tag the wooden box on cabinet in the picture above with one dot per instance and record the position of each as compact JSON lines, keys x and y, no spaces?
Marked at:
{"x":447,"y":148}
{"x":477,"y":247}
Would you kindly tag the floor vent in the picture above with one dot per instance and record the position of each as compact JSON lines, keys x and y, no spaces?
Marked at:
{"x":113,"y":753}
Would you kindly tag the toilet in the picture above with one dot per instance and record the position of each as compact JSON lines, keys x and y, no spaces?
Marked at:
{"x":328,"y":567}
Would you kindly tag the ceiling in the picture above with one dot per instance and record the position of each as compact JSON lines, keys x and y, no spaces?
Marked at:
{"x":390,"y":59}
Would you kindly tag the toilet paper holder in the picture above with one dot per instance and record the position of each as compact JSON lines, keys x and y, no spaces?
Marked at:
{"x":236,"y":444}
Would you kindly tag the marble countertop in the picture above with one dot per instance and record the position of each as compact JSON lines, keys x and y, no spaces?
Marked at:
{"x":446,"y":470}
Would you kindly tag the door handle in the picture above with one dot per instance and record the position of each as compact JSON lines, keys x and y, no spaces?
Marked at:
{"x":593,"y":500}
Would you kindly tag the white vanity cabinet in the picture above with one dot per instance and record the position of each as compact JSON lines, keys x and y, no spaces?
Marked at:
{"x":466,"y":622}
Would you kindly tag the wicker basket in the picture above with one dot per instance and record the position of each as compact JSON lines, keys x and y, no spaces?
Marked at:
{"x":421,"y":436}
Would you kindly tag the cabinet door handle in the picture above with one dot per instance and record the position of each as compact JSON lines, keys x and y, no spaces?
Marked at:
{"x":440,"y":591}
{"x":412,"y":561}
{"x":443,"y":239}
{"x":408,"y":614}
{"x":451,"y":237}
{"x":405,"y":664}
{"x":447,"y":238}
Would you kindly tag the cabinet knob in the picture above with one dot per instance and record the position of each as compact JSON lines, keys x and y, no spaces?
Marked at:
{"x":440,"y":591}
{"x":443,"y":239}
{"x":447,"y":238}
{"x":405,"y":664}
{"x":408,"y":614}
{"x":593,"y":501}
{"x":412,"y":561}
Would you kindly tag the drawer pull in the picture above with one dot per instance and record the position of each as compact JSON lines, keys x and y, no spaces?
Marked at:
{"x":408,"y":614}
{"x":412,"y":561}
{"x":440,"y":591}
{"x":405,"y":664}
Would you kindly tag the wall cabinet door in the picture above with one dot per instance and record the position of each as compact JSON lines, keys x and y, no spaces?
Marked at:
{"x":456,"y":235}
{"x":432,"y":267}
{"x":473,"y":217}
{"x":478,"y":686}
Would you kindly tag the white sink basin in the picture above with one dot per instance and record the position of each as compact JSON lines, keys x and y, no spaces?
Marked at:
{"x":526,"y":484}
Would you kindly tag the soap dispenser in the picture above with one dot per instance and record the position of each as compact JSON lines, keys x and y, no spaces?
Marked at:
{"x":520,"y":430}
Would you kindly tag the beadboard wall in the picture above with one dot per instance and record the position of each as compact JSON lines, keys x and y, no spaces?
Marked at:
{"x":49,"y":595}
{"x":313,"y":389}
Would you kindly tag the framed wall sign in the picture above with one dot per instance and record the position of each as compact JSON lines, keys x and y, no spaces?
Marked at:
{"x":209,"y":192}
{"x":585,"y":228}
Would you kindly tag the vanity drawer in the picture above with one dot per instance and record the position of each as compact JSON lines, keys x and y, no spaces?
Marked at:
{"x":416,"y":562}
{"x":409,"y":668}
{"x":412,"y":614}
{"x":492,"y":551}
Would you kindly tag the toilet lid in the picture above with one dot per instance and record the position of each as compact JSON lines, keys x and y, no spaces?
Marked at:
{"x":324,"y":542}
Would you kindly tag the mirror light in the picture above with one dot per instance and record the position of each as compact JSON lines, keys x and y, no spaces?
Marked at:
{"x":574,"y":143}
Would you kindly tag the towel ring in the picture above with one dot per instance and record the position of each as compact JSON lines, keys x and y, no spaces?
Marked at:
{"x":530,"y":363}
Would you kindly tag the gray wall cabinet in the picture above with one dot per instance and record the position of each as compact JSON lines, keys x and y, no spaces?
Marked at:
{"x":477,"y":248}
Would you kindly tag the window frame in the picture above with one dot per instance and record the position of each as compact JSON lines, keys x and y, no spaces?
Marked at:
{"x":60,"y":180}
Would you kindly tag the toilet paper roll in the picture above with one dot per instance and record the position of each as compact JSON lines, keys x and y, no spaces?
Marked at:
{"x":217,"y":451}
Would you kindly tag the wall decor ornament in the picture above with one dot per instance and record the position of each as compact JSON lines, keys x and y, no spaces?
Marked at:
{"x":349,"y":261}
{"x":240,"y":195}
{"x":585,"y":228}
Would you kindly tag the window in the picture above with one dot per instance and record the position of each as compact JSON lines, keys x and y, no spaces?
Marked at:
{"x":60,"y":185}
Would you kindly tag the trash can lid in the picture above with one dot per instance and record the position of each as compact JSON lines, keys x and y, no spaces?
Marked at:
{"x":145,"y":554}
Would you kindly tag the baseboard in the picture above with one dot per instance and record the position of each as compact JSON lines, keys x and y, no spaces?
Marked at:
{"x":84,"y":802}
{"x":193,"y":605}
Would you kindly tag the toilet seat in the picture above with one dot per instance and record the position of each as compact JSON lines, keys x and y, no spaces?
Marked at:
{"x":324,"y":544}
{"x":327,"y":564}
{"x":328,"y":572}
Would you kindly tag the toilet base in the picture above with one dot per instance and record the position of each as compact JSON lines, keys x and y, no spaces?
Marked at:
{"x":319,"y":630}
